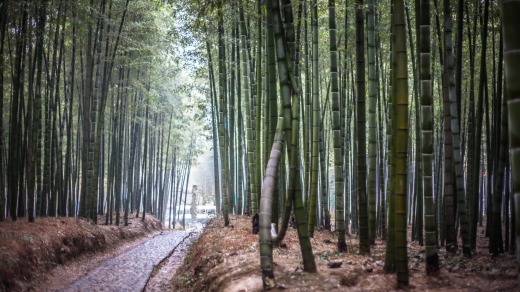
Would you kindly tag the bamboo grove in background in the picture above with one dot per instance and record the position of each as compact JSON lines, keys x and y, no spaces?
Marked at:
{"x":424,"y":147}
{"x":90,"y":125}
{"x":363,"y":117}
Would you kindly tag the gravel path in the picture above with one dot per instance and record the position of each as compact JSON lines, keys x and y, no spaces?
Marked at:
{"x":161,"y":279}
{"x":130,"y":271}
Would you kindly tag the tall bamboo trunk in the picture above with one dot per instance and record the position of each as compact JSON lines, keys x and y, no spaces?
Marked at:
{"x":314,"y":162}
{"x":390,"y":245}
{"x":432,"y":257}
{"x":15,"y":134}
{"x":231,"y":129}
{"x":336,"y":128}
{"x":454,"y":96}
{"x":364,"y":240}
{"x":401,"y":134}
{"x":510,"y":23}
{"x":223,"y":113}
{"x":266,"y":201}
{"x":449,"y":195}
{"x":372,"y":125}
{"x":36,"y":119}
{"x":3,"y":27}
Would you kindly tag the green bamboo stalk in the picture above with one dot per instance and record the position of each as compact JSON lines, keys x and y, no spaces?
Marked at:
{"x":432,"y":257}
{"x":336,"y":129}
{"x":313,"y":196}
{"x":272,"y":101}
{"x":449,"y":202}
{"x":401,"y":130}
{"x":307,"y":118}
{"x":455,"y":129}
{"x":258,"y":102}
{"x":266,"y":202}
{"x":223,"y":113}
{"x":289,"y":112}
{"x":364,"y":241}
{"x":510,"y":23}
{"x":309,"y":265}
{"x":390,"y":243}
{"x":372,"y":126}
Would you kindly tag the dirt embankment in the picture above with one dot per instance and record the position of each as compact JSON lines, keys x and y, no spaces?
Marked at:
{"x":227,"y":259}
{"x":30,"y":249}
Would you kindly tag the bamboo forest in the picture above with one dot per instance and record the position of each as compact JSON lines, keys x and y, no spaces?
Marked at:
{"x":249,"y":145}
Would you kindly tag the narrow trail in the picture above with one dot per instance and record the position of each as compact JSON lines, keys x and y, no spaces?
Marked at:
{"x":132,"y":270}
{"x":161,"y":277}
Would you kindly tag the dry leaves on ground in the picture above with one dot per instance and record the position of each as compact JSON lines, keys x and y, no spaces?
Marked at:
{"x":28,"y":249}
{"x":227,"y":259}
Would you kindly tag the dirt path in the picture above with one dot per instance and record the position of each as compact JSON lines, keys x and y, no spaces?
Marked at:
{"x":131,"y":269}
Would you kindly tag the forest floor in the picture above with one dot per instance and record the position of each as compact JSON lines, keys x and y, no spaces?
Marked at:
{"x":227,"y":259}
{"x":32,"y":254}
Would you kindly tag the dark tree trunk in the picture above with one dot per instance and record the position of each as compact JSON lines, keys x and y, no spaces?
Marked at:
{"x":15,"y":134}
